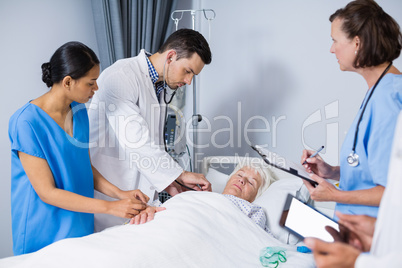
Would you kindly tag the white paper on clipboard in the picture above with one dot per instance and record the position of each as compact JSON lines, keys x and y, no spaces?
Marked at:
{"x":283,"y":163}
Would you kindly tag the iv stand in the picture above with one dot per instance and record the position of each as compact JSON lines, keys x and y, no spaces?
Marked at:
{"x":196,"y":118}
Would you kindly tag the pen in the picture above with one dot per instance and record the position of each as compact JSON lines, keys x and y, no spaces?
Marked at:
{"x":314,"y":154}
{"x":351,"y":212}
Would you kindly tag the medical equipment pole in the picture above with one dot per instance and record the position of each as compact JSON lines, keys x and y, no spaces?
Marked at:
{"x":196,"y":118}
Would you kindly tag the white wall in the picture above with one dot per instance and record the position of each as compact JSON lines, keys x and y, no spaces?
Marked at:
{"x":30,"y":32}
{"x":271,"y":56}
{"x":272,"y":67}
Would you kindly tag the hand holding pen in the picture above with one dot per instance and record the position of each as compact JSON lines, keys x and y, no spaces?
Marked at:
{"x":314,"y":154}
{"x":313,"y":163}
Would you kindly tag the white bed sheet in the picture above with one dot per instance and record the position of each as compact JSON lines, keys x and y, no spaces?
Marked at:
{"x":197,"y":229}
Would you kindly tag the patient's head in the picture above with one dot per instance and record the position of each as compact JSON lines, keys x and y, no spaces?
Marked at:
{"x":249,"y":180}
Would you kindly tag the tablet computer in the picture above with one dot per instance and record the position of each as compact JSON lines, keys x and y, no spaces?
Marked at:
{"x":305,"y":221}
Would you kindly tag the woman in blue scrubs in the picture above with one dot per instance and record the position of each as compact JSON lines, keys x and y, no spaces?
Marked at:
{"x":53,"y":180}
{"x":365,"y":40}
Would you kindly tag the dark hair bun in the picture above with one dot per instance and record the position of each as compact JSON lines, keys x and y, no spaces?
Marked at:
{"x":72,"y":59}
{"x":46,"y":74}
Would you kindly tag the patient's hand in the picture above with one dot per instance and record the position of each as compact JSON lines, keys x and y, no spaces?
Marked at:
{"x":146,"y":215}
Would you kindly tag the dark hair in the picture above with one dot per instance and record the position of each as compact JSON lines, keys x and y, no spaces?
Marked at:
{"x":379,"y":34}
{"x":185,"y":42}
{"x":71,"y":59}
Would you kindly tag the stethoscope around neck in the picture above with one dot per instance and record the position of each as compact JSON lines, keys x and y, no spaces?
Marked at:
{"x":165,"y":84}
{"x":353,"y":158}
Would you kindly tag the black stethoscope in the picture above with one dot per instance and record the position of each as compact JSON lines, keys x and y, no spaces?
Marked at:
{"x":168,"y":102}
{"x":164,"y":95}
{"x":164,"y":86}
{"x":353,"y":158}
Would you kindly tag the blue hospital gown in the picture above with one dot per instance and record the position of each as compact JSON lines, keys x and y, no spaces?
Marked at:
{"x":253,"y":211}
{"x":374,"y":143}
{"x":36,"y":224}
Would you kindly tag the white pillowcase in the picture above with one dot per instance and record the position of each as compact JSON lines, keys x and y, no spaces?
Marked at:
{"x":272,"y":200}
{"x":217,"y":179}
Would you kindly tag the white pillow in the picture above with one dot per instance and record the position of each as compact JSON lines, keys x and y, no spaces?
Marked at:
{"x":217,"y":179}
{"x":273,"y":201}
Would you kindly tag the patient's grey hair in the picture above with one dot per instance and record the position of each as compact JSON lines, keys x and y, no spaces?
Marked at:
{"x":265,"y":171}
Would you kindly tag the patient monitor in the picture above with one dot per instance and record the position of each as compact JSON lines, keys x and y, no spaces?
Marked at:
{"x":175,"y":127}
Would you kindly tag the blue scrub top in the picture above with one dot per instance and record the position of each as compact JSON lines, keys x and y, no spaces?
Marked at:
{"x":36,"y":224}
{"x":374,"y":143}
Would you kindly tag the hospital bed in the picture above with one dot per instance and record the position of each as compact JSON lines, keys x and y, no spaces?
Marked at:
{"x":197,"y":229}
{"x":273,"y":200}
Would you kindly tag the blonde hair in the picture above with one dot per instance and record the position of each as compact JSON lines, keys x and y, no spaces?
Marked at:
{"x":263,"y":169}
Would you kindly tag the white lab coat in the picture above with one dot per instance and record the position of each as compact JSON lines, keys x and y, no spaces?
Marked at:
{"x":126,"y":129}
{"x":386,"y":250}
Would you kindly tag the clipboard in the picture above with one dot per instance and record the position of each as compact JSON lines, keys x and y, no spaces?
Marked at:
{"x":272,"y":159}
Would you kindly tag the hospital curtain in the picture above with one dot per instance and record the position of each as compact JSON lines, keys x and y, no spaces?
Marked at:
{"x":124,"y":27}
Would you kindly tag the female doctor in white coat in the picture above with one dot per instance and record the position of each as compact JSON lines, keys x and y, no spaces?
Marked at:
{"x":127,"y":119}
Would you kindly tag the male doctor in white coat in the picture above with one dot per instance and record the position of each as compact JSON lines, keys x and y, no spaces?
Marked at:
{"x":127,"y":118}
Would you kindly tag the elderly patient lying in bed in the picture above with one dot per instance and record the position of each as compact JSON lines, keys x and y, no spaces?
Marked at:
{"x":247,"y":182}
{"x":197,"y":229}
